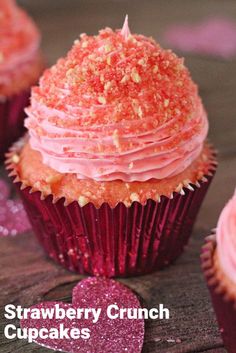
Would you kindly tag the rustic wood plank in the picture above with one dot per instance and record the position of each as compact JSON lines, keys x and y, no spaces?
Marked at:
{"x":27,"y":276}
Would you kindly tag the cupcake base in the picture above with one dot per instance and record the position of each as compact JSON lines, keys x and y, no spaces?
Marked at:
{"x":12,"y":119}
{"x":113,"y":241}
{"x":224,"y":305}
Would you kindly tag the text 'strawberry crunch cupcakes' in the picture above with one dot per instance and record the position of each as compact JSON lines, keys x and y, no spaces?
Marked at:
{"x":116,"y":164}
{"x":219,"y":265}
{"x":20,"y":67}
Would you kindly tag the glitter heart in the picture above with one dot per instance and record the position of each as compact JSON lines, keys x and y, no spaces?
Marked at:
{"x":107,"y":335}
{"x":13,"y":219}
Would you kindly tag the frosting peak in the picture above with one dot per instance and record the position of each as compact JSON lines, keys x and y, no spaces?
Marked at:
{"x":125,"y":29}
{"x":19,"y":41}
{"x":226,"y":239}
{"x":117,"y":107}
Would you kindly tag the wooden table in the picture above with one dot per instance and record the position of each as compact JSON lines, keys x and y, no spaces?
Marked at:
{"x":27,"y":276}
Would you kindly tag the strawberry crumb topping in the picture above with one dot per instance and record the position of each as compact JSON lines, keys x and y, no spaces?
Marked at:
{"x":130,"y":79}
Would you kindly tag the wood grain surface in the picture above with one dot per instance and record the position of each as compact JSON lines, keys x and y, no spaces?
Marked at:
{"x":27,"y":276}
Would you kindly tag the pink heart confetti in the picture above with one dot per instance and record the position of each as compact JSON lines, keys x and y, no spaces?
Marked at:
{"x":107,"y":335}
{"x":214,"y":36}
{"x":13,"y":219}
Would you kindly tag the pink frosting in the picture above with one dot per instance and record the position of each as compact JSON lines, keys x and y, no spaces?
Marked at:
{"x":71,"y":154}
{"x":226,"y":239}
{"x":19,"y":41}
{"x":125,"y":30}
{"x":152,"y":126}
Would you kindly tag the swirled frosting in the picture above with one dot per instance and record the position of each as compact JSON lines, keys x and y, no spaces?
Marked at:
{"x":118,"y":106}
{"x":226,"y":239}
{"x":19,"y":41}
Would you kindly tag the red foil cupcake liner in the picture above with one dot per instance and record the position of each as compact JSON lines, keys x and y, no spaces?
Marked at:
{"x":12,"y":119}
{"x":224,"y":305}
{"x":119,"y":241}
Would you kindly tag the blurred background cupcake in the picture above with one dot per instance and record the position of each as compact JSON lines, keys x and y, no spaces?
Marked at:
{"x":20,"y":67}
{"x":116,"y":164}
{"x":219,"y":266}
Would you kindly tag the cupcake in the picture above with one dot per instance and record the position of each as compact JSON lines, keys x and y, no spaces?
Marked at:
{"x":219,"y":266}
{"x":20,"y":67}
{"x":115,"y":164}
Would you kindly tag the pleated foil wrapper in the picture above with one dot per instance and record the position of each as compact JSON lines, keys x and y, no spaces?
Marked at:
{"x":224,"y":304}
{"x":120,"y":241}
{"x":12,"y":117}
